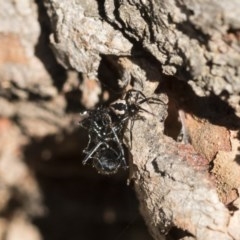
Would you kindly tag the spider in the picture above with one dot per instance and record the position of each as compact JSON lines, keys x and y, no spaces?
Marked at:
{"x":107,"y":157}
{"x":130,"y":108}
{"x":105,"y":147}
{"x":106,"y":126}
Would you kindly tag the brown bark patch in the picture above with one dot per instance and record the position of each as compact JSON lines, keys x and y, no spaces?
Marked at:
{"x":227,"y":173}
{"x":12,"y":50}
{"x":206,"y":138}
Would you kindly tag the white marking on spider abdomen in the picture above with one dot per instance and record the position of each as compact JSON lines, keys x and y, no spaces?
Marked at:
{"x":119,"y":107}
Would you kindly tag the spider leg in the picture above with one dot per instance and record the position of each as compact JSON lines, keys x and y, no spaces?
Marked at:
{"x":93,"y":150}
{"x":89,"y":142}
{"x":135,"y":91}
{"x":145,"y":99}
{"x":120,"y":146}
{"x":145,"y":110}
{"x":138,"y":93}
{"x":151,"y":100}
{"x":130,"y":132}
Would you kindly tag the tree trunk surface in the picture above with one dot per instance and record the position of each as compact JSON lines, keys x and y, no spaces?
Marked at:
{"x":59,"y":57}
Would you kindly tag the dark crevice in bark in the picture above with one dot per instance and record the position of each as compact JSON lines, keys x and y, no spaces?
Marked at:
{"x":44,"y":52}
{"x":188,"y":28}
{"x":178,"y":234}
{"x":211,"y":107}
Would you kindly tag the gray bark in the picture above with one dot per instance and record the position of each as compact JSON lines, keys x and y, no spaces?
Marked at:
{"x":187,"y":53}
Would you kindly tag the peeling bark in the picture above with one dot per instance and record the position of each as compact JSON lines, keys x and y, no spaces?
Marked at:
{"x":185,"y":156}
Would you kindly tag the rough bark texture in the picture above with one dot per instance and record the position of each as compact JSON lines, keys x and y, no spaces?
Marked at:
{"x":64,"y":55}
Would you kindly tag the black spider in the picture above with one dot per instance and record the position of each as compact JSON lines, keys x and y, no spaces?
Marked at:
{"x":106,"y":126}
{"x":105,"y":147}
{"x":130,"y":107}
{"x":108,"y":157}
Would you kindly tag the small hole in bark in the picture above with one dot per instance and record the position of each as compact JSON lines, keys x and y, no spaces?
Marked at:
{"x":108,"y":73}
{"x":73,"y":101}
{"x":237,"y":159}
{"x":172,"y":124}
{"x":232,"y":208}
{"x":155,"y":166}
{"x":157,"y":169}
{"x":177,"y":233}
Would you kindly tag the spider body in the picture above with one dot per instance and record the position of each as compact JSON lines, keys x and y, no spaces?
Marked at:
{"x":105,"y":147}
{"x":108,"y":159}
{"x":130,"y":107}
{"x":106,"y":127}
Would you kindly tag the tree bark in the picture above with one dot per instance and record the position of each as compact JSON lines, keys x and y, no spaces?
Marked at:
{"x":184,"y":160}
